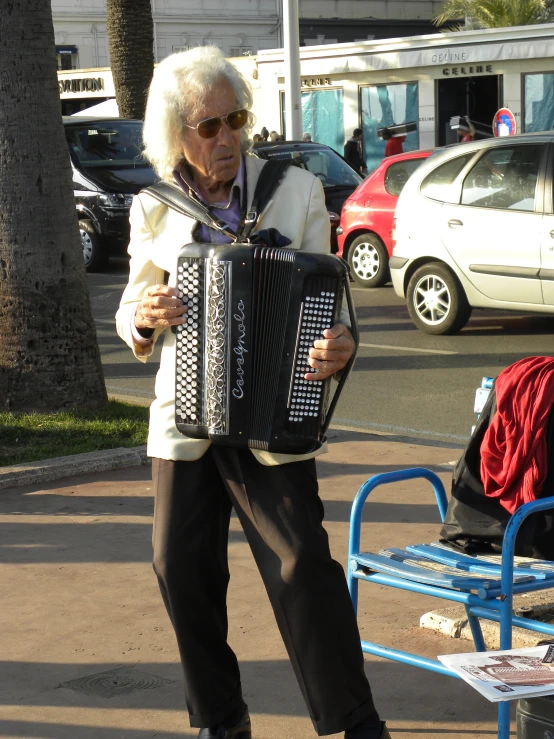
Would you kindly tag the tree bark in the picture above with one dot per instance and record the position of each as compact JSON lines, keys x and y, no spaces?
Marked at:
{"x":131,"y":41}
{"x":49,"y":357}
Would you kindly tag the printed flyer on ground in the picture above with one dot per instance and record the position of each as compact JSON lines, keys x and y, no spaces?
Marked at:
{"x":506,"y":675}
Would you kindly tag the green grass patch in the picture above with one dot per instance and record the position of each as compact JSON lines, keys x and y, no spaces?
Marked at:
{"x":30,"y":437}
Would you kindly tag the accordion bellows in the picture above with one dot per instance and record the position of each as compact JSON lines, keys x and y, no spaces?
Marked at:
{"x":253,"y":314}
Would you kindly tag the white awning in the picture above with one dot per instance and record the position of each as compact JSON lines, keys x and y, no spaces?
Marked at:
{"x":106,"y":109}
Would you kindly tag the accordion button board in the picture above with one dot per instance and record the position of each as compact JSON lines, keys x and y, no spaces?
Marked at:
{"x":253,"y":313}
{"x":189,"y":354}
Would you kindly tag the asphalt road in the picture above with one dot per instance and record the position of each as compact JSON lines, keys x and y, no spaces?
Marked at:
{"x":404,"y":382}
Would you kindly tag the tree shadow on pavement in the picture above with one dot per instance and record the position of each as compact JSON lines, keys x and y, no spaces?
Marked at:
{"x":269,"y":688}
{"x":80,"y":542}
{"x":49,"y":730}
{"x":338,"y":511}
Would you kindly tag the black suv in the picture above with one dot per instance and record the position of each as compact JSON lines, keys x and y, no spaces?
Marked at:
{"x":337,"y":176}
{"x":108,"y":169}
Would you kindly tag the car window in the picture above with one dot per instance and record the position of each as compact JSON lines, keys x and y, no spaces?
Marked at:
{"x":398,"y":173}
{"x":438,"y":185}
{"x":504,"y":177}
{"x":106,"y":144}
{"x":323,"y":163}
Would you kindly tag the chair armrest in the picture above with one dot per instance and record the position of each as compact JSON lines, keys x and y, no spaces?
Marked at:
{"x":507,"y":580}
{"x":385,"y":478}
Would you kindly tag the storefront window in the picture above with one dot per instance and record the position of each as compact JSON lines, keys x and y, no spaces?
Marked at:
{"x":67,"y":57}
{"x":387,"y":105}
{"x":539,"y":102}
{"x":322,"y":117}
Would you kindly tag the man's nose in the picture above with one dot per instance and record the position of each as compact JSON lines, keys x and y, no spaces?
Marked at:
{"x":226,"y":133}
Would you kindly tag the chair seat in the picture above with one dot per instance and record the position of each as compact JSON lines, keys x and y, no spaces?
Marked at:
{"x":540,"y":569}
{"x":439,"y":565}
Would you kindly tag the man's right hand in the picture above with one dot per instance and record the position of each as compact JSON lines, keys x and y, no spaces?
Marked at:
{"x":160,"y":306}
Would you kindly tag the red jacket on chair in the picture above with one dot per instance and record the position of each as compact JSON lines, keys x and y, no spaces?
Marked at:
{"x":514,"y":459}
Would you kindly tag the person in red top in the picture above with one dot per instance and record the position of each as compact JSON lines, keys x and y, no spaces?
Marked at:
{"x":394,"y":144}
{"x":467,"y":135}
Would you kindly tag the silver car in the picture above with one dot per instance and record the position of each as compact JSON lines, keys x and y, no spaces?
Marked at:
{"x":475,"y":229}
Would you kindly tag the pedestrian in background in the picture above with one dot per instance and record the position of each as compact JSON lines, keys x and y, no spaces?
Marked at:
{"x":264,"y":134}
{"x":394,"y":144}
{"x":353,"y":151}
{"x":306,"y":137}
{"x":464,"y":135}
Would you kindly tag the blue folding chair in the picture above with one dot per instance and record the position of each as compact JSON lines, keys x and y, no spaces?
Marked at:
{"x":484,"y":584}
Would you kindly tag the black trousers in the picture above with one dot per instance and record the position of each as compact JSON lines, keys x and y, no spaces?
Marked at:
{"x":281,"y":514}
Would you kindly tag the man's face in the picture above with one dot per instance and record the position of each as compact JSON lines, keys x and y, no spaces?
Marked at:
{"x":216,"y":159}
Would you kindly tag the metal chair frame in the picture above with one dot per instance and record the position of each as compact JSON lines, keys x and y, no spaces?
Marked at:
{"x":494,"y":604}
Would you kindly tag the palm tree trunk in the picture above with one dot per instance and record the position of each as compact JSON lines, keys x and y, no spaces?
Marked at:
{"x":131,"y":40}
{"x":49,"y":358}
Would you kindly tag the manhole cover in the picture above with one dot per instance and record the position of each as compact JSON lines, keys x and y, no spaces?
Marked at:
{"x":116,"y":682}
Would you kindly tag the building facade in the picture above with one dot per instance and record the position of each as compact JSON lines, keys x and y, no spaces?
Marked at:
{"x":370,"y":84}
{"x":239,"y":28}
{"x":342,"y":21}
{"x":423,"y":80}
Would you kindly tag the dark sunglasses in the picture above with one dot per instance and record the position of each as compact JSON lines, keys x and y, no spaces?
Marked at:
{"x":210,"y":127}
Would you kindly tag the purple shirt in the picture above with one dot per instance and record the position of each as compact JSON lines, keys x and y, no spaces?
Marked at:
{"x":228,"y":212}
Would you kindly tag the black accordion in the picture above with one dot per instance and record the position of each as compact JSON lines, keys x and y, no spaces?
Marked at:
{"x":253,"y":315}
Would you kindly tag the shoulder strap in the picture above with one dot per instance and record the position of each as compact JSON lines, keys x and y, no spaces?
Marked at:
{"x":172,"y":196}
{"x":270,"y":177}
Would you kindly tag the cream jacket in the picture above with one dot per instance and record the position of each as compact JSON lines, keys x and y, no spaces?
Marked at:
{"x":297,"y":210}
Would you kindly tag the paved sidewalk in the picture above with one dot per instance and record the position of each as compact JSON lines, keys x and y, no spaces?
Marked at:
{"x":88,"y":652}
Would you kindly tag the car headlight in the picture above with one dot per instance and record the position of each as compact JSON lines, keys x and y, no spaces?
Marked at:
{"x":116,"y":199}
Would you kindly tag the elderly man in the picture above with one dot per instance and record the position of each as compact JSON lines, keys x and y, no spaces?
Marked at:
{"x":196,"y":133}
{"x":306,"y":137}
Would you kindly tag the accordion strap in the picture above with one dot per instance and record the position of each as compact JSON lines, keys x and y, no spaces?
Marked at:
{"x":172,"y":196}
{"x":269,"y":180}
{"x":175,"y":198}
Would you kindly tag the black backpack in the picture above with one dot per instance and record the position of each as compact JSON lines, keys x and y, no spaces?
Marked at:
{"x":475,"y":523}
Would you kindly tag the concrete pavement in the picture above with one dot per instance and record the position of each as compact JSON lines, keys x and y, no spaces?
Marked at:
{"x":88,"y":651}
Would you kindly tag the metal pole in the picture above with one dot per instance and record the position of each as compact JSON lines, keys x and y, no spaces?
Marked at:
{"x":153,"y":4}
{"x":293,"y":106}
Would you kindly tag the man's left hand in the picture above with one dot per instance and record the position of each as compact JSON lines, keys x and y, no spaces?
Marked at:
{"x":331,"y":354}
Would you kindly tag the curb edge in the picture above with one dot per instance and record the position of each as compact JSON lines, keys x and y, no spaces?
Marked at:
{"x":48,"y":470}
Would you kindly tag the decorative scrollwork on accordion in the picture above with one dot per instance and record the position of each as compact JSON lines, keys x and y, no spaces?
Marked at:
{"x":217,"y":408}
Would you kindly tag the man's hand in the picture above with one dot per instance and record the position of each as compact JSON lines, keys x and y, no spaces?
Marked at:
{"x":160,"y":306}
{"x":331,"y":354}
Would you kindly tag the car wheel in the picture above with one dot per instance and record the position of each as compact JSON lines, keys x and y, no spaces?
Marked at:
{"x":368,"y":260}
{"x":437,"y":302}
{"x":93,"y":253}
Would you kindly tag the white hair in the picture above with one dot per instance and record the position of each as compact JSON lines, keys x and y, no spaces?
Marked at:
{"x":180,"y":86}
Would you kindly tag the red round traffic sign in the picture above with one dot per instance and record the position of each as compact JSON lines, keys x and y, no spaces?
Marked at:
{"x":504,"y":123}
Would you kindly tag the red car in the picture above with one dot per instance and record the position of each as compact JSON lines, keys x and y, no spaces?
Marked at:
{"x":365,"y":230}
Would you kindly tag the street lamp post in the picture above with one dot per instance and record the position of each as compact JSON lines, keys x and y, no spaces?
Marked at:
{"x":293,"y":105}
